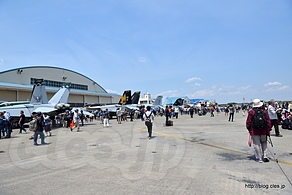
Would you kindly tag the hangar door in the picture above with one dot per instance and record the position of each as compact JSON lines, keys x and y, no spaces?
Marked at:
{"x":8,"y":96}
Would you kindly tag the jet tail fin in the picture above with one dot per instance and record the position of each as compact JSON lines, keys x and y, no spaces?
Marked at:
{"x":61,"y":96}
{"x":126,"y":98}
{"x":39,"y":95}
{"x":158,"y":100}
{"x":178,"y":102}
{"x":135,"y":97}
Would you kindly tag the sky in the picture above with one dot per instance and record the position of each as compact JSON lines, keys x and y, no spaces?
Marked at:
{"x":227,"y":51}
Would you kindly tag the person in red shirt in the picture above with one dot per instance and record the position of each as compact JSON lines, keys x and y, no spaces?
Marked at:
{"x":259,"y":135}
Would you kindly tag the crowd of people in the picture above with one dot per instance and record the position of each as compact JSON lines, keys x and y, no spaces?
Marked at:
{"x":260,"y":121}
{"x":5,"y":125}
{"x":76,"y":118}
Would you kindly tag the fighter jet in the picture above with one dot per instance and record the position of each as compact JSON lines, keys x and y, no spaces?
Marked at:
{"x":157,"y":104}
{"x":125,"y":99}
{"x":39,"y":102}
{"x":4,"y":104}
{"x":134,"y":102}
{"x":125,"y":102}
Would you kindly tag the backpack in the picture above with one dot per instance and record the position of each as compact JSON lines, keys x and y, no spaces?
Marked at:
{"x":33,"y":125}
{"x":47,"y":121}
{"x":231,"y":109}
{"x":148,"y":119}
{"x":259,"y":119}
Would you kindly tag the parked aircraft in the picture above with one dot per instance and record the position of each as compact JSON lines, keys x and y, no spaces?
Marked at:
{"x":178,"y":102}
{"x":135,"y":97}
{"x":4,"y":104}
{"x":86,"y":113}
{"x":125,"y":102}
{"x":125,"y":99}
{"x":157,"y":103}
{"x":39,"y":102}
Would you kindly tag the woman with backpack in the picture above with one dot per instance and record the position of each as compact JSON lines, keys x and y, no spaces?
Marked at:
{"x":148,"y":118}
{"x":259,"y":125}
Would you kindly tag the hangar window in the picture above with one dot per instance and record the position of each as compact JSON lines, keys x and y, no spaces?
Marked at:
{"x":50,"y":83}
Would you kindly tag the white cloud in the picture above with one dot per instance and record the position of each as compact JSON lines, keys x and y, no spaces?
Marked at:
{"x":245,"y":88}
{"x":231,"y":90}
{"x":142,"y":59}
{"x":278,"y":88}
{"x":221,"y":90}
{"x":170,"y":93}
{"x":284,"y":87}
{"x":225,"y":89}
{"x":1,"y":62}
{"x":203,"y":93}
{"x":193,"y":79}
{"x":214,"y":87}
{"x":272,"y":84}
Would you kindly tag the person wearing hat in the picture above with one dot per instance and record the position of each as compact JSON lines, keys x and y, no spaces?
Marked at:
{"x":272,"y":110}
{"x":259,"y":134}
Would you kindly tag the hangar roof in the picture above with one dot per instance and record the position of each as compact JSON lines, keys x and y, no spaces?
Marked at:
{"x":22,"y":78}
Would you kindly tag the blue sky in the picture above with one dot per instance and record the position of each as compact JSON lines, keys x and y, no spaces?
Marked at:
{"x":222,"y":50}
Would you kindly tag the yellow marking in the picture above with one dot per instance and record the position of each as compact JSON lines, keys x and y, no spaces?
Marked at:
{"x":168,"y":135}
{"x":218,"y":147}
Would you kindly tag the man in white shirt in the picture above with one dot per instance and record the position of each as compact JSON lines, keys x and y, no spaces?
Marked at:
{"x":76,"y":118}
{"x":273,"y":117}
{"x":106,"y":118}
{"x":176,"y":110}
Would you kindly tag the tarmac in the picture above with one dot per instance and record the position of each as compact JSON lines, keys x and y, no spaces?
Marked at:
{"x":200,"y":155}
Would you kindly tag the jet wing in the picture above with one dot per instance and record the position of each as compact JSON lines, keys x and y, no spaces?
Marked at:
{"x":131,"y":106}
{"x":93,"y":108}
{"x":45,"y":109}
{"x":87,"y":113}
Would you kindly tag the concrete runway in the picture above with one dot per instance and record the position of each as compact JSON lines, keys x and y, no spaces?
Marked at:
{"x":200,"y":155}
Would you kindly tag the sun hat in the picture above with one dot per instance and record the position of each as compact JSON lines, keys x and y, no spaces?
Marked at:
{"x":257,"y":103}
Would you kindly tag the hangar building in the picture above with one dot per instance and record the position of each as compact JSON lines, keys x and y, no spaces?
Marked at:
{"x":17,"y":85}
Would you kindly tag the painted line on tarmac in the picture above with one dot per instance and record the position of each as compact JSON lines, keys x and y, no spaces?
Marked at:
{"x":218,"y":147}
{"x":168,"y":135}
